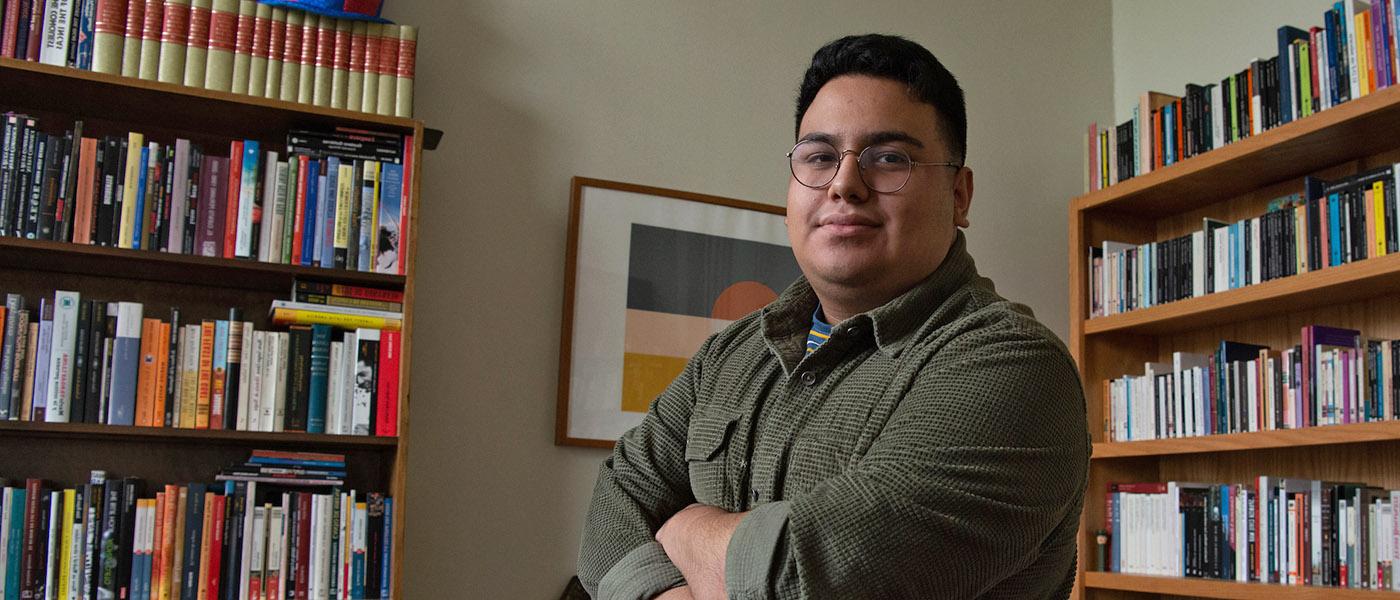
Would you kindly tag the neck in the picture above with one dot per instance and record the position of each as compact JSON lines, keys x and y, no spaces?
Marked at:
{"x":840,"y":303}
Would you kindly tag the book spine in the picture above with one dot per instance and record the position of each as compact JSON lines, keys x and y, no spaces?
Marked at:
{"x":9,"y":30}
{"x":218,"y":374}
{"x":269,"y":208}
{"x":197,"y":43}
{"x":306,"y":61}
{"x":58,"y":15}
{"x":257,"y":65}
{"x":374,"y":36}
{"x":232,"y":197}
{"x":247,"y":199}
{"x":291,"y":55}
{"x":386,"y":259}
{"x":151,"y":25}
{"x":206,"y":375}
{"x":85,"y":192}
{"x":355,"y":74}
{"x":387,"y":396}
{"x":11,"y":349}
{"x":324,"y":58}
{"x":134,"y":170}
{"x":340,"y":64}
{"x":243,"y":46}
{"x":388,"y":70}
{"x":62,"y":350}
{"x":404,"y":73}
{"x":131,"y":39}
{"x":276,"y":45}
{"x":223,"y":35}
{"x":174,"y":37}
{"x":31,"y":29}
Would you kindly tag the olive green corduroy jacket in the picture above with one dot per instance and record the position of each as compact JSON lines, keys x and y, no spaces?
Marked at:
{"x":935,"y":447}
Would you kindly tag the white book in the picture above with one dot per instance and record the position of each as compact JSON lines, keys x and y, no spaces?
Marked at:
{"x":57,"y":29}
{"x":246,"y":374}
{"x":1184,"y":364}
{"x":279,"y":412}
{"x":1252,"y":395}
{"x":278,"y":206}
{"x":276,"y":542}
{"x":316,"y":572}
{"x":1217,"y":116}
{"x":269,"y":200}
{"x":61,"y":356}
{"x":267,"y":405}
{"x":257,"y":554}
{"x":1323,"y":79}
{"x":327,"y":561}
{"x":1256,"y":243}
{"x":333,"y":388}
{"x":246,"y":552}
{"x":1354,"y":51}
{"x":1222,"y":258}
{"x":179,"y":197}
{"x":255,"y":368}
{"x":55,"y":537}
{"x":1256,"y":104}
{"x":1198,"y":264}
{"x":347,"y":383}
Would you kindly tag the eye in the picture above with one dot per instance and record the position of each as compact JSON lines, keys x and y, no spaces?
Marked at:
{"x":820,"y":158}
{"x":888,"y":157}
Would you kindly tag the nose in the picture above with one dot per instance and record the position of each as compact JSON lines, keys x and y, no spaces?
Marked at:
{"x":848,"y":184}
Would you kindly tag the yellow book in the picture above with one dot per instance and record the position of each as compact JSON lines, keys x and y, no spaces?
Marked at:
{"x":1378,"y":202}
{"x":189,"y":373}
{"x":65,"y":544}
{"x":206,"y":375}
{"x":289,"y":316}
{"x":1361,"y":43}
{"x":344,"y":201}
{"x":134,"y":166}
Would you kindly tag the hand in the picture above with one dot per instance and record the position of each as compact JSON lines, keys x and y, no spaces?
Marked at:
{"x":676,"y":593}
{"x":696,"y":539}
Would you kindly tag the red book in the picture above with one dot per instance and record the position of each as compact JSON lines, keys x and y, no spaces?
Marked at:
{"x":304,"y":549}
{"x":87,"y":182}
{"x":158,"y":534}
{"x":36,"y":29}
{"x":235,"y":179}
{"x":10,"y":23}
{"x":300,"y":212}
{"x":387,"y":413}
{"x":216,"y":544}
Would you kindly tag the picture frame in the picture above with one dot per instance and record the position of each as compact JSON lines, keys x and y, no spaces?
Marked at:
{"x":650,"y":273}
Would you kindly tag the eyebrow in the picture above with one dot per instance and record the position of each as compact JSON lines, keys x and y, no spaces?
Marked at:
{"x":878,"y":137}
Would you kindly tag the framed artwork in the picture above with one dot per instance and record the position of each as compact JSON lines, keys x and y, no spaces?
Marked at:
{"x":650,"y":274}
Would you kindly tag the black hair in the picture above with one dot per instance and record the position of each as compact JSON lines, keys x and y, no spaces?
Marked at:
{"x":896,"y":58}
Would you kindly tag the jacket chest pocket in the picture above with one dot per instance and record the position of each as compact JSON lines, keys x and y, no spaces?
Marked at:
{"x":707,"y":448}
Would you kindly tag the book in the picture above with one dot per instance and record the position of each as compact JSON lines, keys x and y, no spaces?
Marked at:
{"x":131,"y":41}
{"x":386,"y":259}
{"x":365,"y":386}
{"x":243,"y":46}
{"x":258,"y":61}
{"x":174,"y":38}
{"x":387,"y":375}
{"x":223,"y":35}
{"x":306,"y":61}
{"x":53,"y":49}
{"x":126,"y":350}
{"x":374,"y":37}
{"x":291,"y":56}
{"x":197,"y":43}
{"x":388,"y":69}
{"x":62,"y":355}
{"x":404,"y":71}
{"x":323,"y":62}
{"x":151,"y":26}
{"x":340,"y":64}
{"x":276,"y":44}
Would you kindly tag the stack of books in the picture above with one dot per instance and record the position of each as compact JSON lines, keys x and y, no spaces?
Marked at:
{"x":335,"y":370}
{"x":311,"y":469}
{"x":238,"y":46}
{"x":335,"y":199}
{"x":1351,"y":54}
{"x":111,"y":538}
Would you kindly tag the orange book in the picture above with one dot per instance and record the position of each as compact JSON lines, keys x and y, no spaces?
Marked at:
{"x":235,"y":179}
{"x":157,"y":539}
{"x":177,"y":545}
{"x":146,"y":373}
{"x":206,"y":533}
{"x":87,"y":181}
{"x":166,"y":543}
{"x":206,"y":375}
{"x":1157,"y":156}
{"x":1365,"y":32}
{"x":162,"y":369}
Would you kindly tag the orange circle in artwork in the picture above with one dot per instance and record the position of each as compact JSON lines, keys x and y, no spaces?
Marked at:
{"x":741,"y":299}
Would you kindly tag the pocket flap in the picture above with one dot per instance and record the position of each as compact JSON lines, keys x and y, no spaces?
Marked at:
{"x":708,"y":435}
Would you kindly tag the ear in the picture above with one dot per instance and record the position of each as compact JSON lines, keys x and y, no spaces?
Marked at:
{"x":962,"y":197}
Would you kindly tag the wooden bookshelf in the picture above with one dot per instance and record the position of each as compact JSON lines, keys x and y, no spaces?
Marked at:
{"x":203,"y":287}
{"x":1229,"y":184}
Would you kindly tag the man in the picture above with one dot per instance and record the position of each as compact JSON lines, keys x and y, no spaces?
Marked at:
{"x":888,"y":427}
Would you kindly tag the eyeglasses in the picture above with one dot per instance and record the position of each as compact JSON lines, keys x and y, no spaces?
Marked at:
{"x":885,"y":169}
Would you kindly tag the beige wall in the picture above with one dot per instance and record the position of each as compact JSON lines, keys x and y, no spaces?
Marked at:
{"x":689,"y":95}
{"x":1162,"y":46}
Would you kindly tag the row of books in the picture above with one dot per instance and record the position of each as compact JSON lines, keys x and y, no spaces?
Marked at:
{"x":108,"y":363}
{"x":1272,"y":530}
{"x":1333,"y":377}
{"x":1352,"y":54}
{"x":114,"y":538}
{"x":337,"y":199}
{"x":238,"y":46}
{"x":1331,"y":223}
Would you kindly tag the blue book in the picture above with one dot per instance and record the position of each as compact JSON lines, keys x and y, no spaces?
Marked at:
{"x":219,"y":368}
{"x":329,"y":204}
{"x":386,"y":243}
{"x":320,"y":378}
{"x":194,"y":511}
{"x":1334,"y":225}
{"x":126,"y":358}
{"x":140,"y":220}
{"x":245,"y":243}
{"x":1169,"y":145}
{"x":309,"y":228}
{"x":1286,"y":36}
{"x":385,"y":560}
{"x":86,"y":24}
{"x":43,"y":346}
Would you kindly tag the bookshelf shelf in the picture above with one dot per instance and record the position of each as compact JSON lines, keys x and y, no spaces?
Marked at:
{"x":1354,"y":281}
{"x":147,"y":265}
{"x":1355,"y":433}
{"x":16,"y":429}
{"x":1348,"y":131}
{"x":1206,"y":588}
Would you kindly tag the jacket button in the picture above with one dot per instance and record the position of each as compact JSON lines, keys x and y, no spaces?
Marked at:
{"x":808,"y":378}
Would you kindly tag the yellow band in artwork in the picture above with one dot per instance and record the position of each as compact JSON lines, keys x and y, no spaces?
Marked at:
{"x":645,"y":376}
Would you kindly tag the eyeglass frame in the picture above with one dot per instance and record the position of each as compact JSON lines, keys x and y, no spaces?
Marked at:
{"x":861,"y":169}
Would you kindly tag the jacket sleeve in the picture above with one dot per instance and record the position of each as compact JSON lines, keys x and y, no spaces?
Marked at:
{"x":981,"y":462}
{"x":639,"y":487}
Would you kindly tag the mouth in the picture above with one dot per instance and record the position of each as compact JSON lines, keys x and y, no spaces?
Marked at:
{"x":851,"y":224}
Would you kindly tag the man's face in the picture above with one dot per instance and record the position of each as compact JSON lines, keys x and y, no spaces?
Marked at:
{"x":847,"y":236}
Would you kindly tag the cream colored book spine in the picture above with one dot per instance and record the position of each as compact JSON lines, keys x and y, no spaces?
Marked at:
{"x":257,"y":66}
{"x":276,"y":44}
{"x":243,"y":45}
{"x":388,"y":70}
{"x":306,"y":63}
{"x":325,"y":62}
{"x":408,"y":56}
{"x":134,"y":166}
{"x":355,"y":80}
{"x":374,"y":37}
{"x":109,"y":36}
{"x":174,"y":34}
{"x":291,"y":56}
{"x":340,"y":64}
{"x":197,"y":44}
{"x":131,"y":43}
{"x":223,"y":34}
{"x":150,"y":40}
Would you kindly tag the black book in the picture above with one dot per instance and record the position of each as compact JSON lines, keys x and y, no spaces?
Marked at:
{"x":24,"y":183}
{"x":111,"y":538}
{"x":294,"y":541}
{"x":1188,"y":109}
{"x":298,"y":377}
{"x":97,"y":334}
{"x":104,"y":209}
{"x":10,"y":135}
{"x":194,"y":528}
{"x":131,"y":489}
{"x":167,"y":201}
{"x":93,"y":504}
{"x":172,"y":374}
{"x":191,"y":215}
{"x":49,"y":190}
{"x":232,"y":550}
{"x":234,"y":368}
{"x":335,"y":539}
{"x":77,"y":403}
{"x":68,"y":178}
{"x":42,"y":562}
{"x":374,"y":542}
{"x":23,"y":33}
{"x":1392,"y":244}
{"x":119,"y":192}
